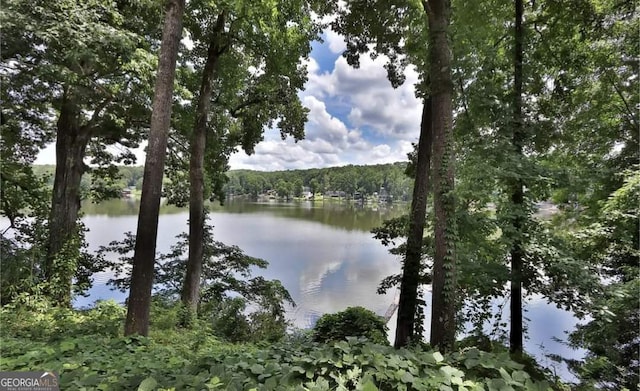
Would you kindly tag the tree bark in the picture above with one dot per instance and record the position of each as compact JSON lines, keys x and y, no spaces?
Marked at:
{"x":443,"y":325}
{"x":517,"y":195}
{"x":142,"y":275}
{"x":411,"y":270}
{"x":191,"y":288}
{"x":71,"y":144}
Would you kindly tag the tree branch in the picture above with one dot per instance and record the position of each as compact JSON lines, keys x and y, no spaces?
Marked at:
{"x":235,"y":111}
{"x":464,"y":102}
{"x":630,"y":117}
{"x":495,"y":45}
{"x":96,"y":114}
{"x":179,"y":142}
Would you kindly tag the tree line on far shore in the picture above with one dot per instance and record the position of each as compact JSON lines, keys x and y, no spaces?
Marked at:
{"x":352,"y":181}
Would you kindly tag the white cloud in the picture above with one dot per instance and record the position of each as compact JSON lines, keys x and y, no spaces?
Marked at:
{"x":319,"y":146}
{"x":355,"y":117}
{"x":381,"y":151}
{"x":322,"y":125}
{"x":335,"y":41}
{"x":312,"y":65}
{"x":283,"y":155}
{"x":369,"y":99}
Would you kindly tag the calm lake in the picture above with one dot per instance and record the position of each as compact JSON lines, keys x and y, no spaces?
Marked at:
{"x":323,"y":254}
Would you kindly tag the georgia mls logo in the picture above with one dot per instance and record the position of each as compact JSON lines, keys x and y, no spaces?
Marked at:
{"x":29,"y":381}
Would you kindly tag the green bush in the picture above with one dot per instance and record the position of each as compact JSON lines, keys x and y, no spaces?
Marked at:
{"x":352,"y":322}
{"x":357,"y":364}
{"x":36,"y":318}
{"x":229,"y":321}
{"x":181,"y":359}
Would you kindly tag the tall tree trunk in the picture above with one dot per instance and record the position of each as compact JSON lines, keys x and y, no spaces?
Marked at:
{"x":443,"y":325}
{"x":137,"y":321}
{"x":71,"y":144}
{"x":191,"y":287}
{"x":411,"y":270}
{"x":517,"y":195}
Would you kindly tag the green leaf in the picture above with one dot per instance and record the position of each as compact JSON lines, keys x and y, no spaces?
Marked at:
{"x":214,"y":382}
{"x":67,"y":345}
{"x":369,"y":386}
{"x":451,"y":372}
{"x":271,"y":383}
{"x":406,"y":377}
{"x":257,"y":369}
{"x":520,"y":376}
{"x":148,"y":384}
{"x":297,"y":368}
{"x":505,"y":375}
{"x":92,"y":380}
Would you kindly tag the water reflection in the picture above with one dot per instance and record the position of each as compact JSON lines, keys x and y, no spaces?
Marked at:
{"x":122,"y":207}
{"x":325,"y":256}
{"x":350,"y":216}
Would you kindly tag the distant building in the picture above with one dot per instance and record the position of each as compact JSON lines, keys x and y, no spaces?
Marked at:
{"x":336,"y":194}
{"x":384,"y":195}
{"x":271,"y":194}
{"x":127,"y":192}
{"x":306,"y":192}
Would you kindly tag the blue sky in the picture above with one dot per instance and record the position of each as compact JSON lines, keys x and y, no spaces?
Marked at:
{"x":355,"y":117}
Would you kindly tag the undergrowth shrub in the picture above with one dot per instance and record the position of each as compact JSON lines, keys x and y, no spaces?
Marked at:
{"x":357,"y":364}
{"x":175,"y":362}
{"x":179,"y":358}
{"x":484,"y":343}
{"x":36,"y":318}
{"x":165,"y":314}
{"x":232,"y":321}
{"x":352,"y":322}
{"x":229,"y":321}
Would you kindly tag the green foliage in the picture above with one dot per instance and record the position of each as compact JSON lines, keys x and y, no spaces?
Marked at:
{"x":482,"y":273}
{"x":79,"y":74}
{"x":581,"y":149}
{"x":611,"y":242}
{"x":21,"y":264}
{"x":57,"y":52}
{"x":125,"y":177}
{"x":91,"y":357}
{"x":25,"y":201}
{"x":244,"y":101}
{"x":358,"y":364}
{"x":91,"y":362}
{"x":23,"y":246}
{"x":352,"y":322}
{"x":35,"y":317}
{"x":229,"y":321}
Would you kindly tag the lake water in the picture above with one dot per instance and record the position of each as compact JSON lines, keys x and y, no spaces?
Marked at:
{"x":323,"y":254}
